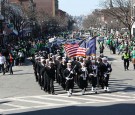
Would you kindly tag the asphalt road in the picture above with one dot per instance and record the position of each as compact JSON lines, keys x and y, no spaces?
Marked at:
{"x":21,"y":95}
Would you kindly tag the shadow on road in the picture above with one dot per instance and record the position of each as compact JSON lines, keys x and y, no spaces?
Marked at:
{"x":22,"y":73}
{"x":4,"y":102}
{"x":17,"y":70}
{"x":117,"y":109}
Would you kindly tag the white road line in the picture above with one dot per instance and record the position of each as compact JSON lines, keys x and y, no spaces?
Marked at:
{"x":111,"y":101}
{"x":54,"y":99}
{"x":1,"y":110}
{"x":40,"y":106}
{"x":102,"y":97}
{"x":26,"y":96}
{"x":121,"y":96}
{"x":78,"y":98}
{"x":30,"y":101}
{"x":12,"y":105}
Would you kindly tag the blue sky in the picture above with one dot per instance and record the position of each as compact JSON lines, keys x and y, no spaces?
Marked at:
{"x":79,"y":7}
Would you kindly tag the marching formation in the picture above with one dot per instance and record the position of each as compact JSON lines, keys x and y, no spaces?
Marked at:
{"x":91,"y":71}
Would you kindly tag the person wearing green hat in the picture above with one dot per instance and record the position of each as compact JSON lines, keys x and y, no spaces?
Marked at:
{"x":101,"y":47}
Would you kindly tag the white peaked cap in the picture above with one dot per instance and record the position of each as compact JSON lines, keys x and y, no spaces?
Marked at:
{"x":41,"y":57}
{"x":42,"y":60}
{"x":37,"y":57}
{"x":93,"y":61}
{"x":68,"y":64}
{"x":69,"y":61}
{"x":104,"y":58}
{"x":94,"y":57}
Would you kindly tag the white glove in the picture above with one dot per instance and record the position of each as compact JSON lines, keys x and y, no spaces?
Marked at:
{"x":72,"y":72}
{"x":91,"y":74}
{"x":105,"y":75}
{"x":67,"y":78}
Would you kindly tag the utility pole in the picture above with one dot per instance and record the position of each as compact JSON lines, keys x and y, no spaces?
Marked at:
{"x":111,"y":4}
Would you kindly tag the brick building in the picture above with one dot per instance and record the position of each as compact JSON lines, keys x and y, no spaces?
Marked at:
{"x":49,"y":6}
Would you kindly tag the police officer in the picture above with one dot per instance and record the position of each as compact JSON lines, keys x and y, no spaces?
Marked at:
{"x":126,"y":58}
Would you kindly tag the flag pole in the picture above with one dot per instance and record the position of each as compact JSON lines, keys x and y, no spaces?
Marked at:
{"x":85,"y":47}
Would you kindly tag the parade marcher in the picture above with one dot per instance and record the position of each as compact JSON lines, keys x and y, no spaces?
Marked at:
{"x":2,"y":62}
{"x":100,"y":74}
{"x":83,"y":78}
{"x":126,"y":59}
{"x":107,"y":69}
{"x":36,"y":68}
{"x":62,"y":68}
{"x":11,"y":61}
{"x":68,"y":74}
{"x":21,"y":56}
{"x":133,"y":57}
{"x":101,"y":47}
{"x":58,"y":64}
{"x":50,"y":71}
{"x":93,"y":70}
{"x":78,"y":66}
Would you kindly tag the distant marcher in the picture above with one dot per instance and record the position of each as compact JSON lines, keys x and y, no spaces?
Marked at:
{"x":133,"y":57}
{"x":11,"y":62}
{"x":21,"y":56}
{"x":2,"y":62}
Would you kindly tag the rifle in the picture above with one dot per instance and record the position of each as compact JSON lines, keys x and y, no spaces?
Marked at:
{"x":70,"y":73}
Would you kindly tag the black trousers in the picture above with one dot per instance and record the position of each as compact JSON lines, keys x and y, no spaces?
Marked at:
{"x":2,"y":67}
{"x":106,"y":81}
{"x":126,"y":63}
{"x":94,"y":81}
{"x":10,"y":68}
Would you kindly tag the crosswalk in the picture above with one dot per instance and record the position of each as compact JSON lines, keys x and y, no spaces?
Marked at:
{"x":48,"y":101}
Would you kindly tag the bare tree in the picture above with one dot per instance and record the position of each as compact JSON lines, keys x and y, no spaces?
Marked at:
{"x":15,"y":14}
{"x":120,"y":10}
{"x":93,"y":20}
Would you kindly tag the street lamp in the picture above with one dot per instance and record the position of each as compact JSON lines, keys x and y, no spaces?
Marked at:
{"x":106,"y":28}
{"x":117,"y":22}
{"x":1,"y":20}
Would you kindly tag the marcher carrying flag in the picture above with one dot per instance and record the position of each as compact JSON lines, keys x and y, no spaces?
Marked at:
{"x":73,"y":50}
{"x":83,"y":48}
{"x":91,"y":47}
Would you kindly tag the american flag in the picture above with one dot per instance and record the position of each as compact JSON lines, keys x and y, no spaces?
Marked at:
{"x":73,"y":50}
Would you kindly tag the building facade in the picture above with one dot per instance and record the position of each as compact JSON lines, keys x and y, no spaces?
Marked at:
{"x":48,"y":6}
{"x":133,"y":16}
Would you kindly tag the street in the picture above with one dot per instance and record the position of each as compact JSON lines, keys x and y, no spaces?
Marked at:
{"x":20,"y":93}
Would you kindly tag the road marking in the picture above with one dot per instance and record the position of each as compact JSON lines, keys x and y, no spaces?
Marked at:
{"x":110,"y":101}
{"x":62,"y":100}
{"x":78,"y":98}
{"x":102,"y":97}
{"x":121,"y":96}
{"x":29,"y":101}
{"x":1,"y":110}
{"x":90,"y":99}
{"x":12,"y":105}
